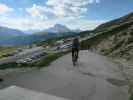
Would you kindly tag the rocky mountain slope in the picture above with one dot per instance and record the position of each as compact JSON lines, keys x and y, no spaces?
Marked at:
{"x":114,"y":38}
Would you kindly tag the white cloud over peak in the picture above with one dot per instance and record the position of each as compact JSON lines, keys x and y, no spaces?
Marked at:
{"x":4,"y":9}
{"x":29,"y":24}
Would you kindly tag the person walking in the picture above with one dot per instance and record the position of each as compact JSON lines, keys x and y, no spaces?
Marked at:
{"x":75,"y":50}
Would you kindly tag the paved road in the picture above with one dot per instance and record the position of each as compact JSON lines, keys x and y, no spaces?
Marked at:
{"x":18,"y":93}
{"x":94,"y":78}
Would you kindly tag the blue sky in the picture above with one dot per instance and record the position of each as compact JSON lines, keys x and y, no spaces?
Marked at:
{"x":76,"y":14}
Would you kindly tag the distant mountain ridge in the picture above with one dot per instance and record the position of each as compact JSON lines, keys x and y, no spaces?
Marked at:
{"x":25,"y":39}
{"x":59,"y":28}
{"x":10,"y":31}
{"x":16,"y":37}
{"x":6,"y":33}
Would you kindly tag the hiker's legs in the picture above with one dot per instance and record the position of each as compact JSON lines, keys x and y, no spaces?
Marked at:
{"x":77,"y":52}
{"x":1,"y":79}
{"x":72,"y":52}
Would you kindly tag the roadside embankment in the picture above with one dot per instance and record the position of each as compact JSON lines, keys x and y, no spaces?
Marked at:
{"x":18,"y":68}
{"x":126,"y":67}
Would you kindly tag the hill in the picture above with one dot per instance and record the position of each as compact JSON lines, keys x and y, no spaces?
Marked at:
{"x":8,"y":32}
{"x":36,"y":38}
{"x":114,"y":38}
{"x":26,"y":39}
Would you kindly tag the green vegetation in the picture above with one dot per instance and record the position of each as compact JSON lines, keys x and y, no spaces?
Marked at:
{"x":46,"y":61}
{"x":38,"y":64}
{"x":131,"y":97}
{"x":49,"y":42}
{"x":131,"y":92}
{"x":6,"y":51}
{"x":85,"y":33}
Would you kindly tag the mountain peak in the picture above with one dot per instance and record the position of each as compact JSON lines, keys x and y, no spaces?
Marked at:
{"x":58,"y":28}
{"x":59,"y":25}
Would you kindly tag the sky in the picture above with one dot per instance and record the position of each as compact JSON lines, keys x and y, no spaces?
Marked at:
{"x":75,"y":14}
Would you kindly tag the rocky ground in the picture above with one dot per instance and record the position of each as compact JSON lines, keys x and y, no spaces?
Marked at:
{"x":126,"y":68}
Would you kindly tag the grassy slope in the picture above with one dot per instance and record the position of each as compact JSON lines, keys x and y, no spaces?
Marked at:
{"x":104,"y":35}
{"x":38,"y":64}
{"x":4,"y":51}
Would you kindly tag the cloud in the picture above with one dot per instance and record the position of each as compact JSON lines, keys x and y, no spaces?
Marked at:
{"x":26,"y":23}
{"x":85,"y":24}
{"x":67,"y":12}
{"x":37,"y":11}
{"x":30,"y":24}
{"x":66,"y":8}
{"x":61,"y":8}
{"x":4,"y":9}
